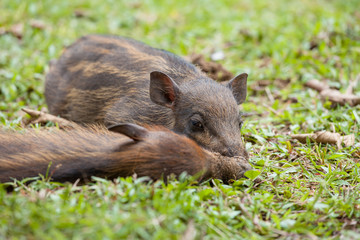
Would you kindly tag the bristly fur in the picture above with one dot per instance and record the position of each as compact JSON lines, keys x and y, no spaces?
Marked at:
{"x":107,"y":79}
{"x":94,"y":151}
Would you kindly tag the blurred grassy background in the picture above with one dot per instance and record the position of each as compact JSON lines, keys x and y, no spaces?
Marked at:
{"x":248,"y":32}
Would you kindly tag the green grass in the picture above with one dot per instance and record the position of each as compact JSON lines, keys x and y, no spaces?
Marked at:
{"x":306,"y":191}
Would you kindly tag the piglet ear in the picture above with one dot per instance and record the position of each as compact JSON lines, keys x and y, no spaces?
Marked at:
{"x":163,"y":90}
{"x":238,"y":87}
{"x":133,"y":131}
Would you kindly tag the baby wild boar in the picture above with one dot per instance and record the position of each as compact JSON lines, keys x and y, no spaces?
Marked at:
{"x":81,"y":152}
{"x":112,"y":80}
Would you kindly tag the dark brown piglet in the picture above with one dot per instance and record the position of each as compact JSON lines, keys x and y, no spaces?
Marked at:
{"x":112,"y":80}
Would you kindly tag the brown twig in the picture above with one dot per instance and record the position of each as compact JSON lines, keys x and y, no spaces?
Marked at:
{"x":42,"y":117}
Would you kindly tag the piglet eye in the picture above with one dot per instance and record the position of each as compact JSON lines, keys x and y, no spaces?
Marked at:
{"x":197,"y":126}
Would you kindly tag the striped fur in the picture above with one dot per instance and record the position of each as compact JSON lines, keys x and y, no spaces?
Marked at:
{"x":106,"y":79}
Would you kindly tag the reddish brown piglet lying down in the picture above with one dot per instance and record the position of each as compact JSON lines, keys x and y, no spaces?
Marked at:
{"x":127,"y":149}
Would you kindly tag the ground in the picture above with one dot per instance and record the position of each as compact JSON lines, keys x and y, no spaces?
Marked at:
{"x":304,"y":190}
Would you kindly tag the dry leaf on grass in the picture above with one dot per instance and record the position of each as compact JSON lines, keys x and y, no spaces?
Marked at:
{"x":265,"y":62}
{"x":214,"y":70}
{"x":2,"y":31}
{"x":17,"y":30}
{"x":334,"y":95}
{"x":261,"y":85}
{"x":317,"y":85}
{"x":190,"y":232}
{"x":348,"y":140}
{"x":337,"y":97}
{"x":38,"y":24}
{"x":353,"y":85}
{"x":327,"y":137}
{"x":80,"y":13}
